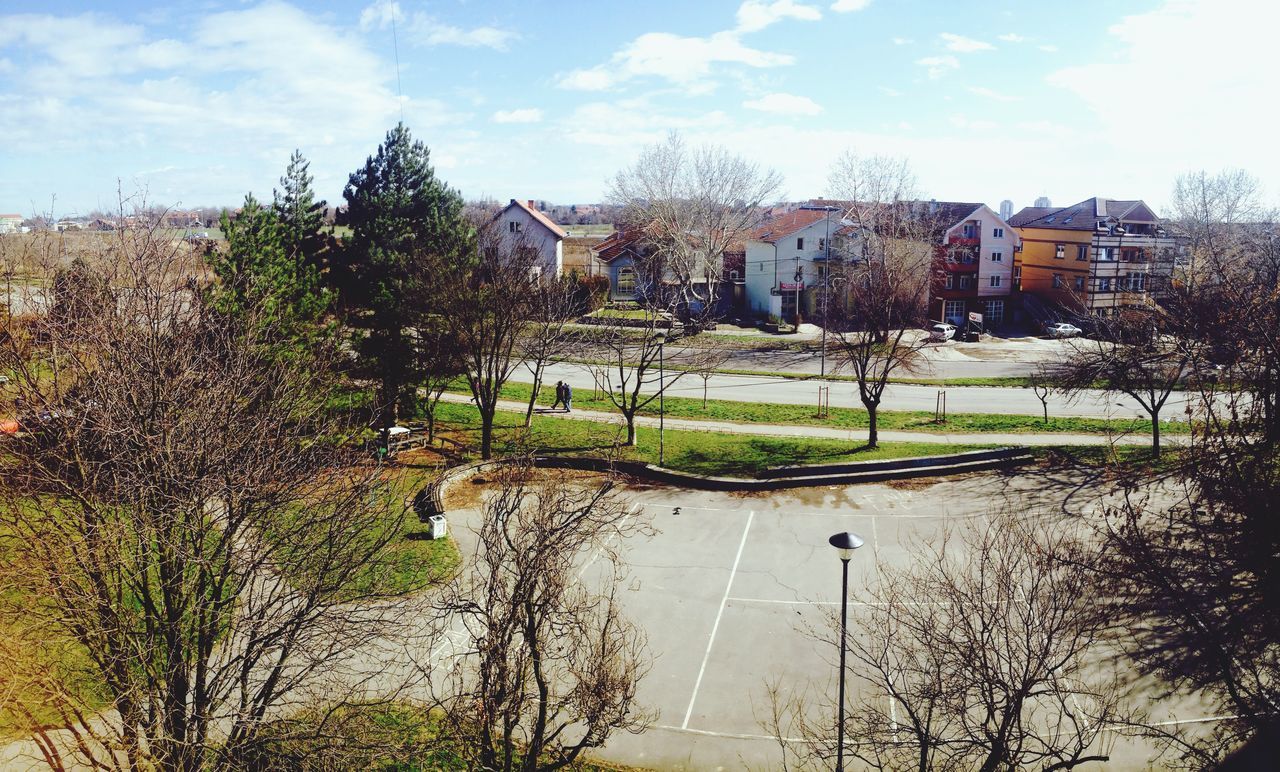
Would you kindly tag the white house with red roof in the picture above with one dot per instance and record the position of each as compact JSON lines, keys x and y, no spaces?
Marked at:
{"x":786,"y":257}
{"x":522,"y":224}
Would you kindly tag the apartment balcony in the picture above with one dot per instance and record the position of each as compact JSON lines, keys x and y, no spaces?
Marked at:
{"x":965,"y":241}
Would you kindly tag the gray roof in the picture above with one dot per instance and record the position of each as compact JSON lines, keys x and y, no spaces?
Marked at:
{"x":1084,"y":216}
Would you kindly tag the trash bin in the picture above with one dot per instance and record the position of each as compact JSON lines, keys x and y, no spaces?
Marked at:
{"x":438,"y":527}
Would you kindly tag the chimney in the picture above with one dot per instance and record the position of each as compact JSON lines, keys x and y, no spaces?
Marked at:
{"x":513,"y":200}
{"x":531,"y":206}
{"x":1100,"y":207}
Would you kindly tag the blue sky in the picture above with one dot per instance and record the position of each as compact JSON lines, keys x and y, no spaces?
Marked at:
{"x":197,"y":103}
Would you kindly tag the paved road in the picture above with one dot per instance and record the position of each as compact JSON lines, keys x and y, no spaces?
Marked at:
{"x":852,"y":435}
{"x":972,"y":399}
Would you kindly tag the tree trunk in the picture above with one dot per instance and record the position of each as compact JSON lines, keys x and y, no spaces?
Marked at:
{"x":533,"y":398}
{"x":1045,"y":402}
{"x":486,"y":432}
{"x":631,"y":429}
{"x":873,"y":432}
{"x":1155,"y":433}
{"x":704,"y":393}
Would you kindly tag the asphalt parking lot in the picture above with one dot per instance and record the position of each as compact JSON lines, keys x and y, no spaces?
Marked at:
{"x":729,"y":585}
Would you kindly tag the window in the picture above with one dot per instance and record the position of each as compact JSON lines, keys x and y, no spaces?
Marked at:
{"x":997,"y":257}
{"x":968,"y":232}
{"x":822,"y":245}
{"x":1104,"y":284}
{"x":953,"y":311}
{"x":1017,"y":272}
{"x":733,"y":275}
{"x":994,"y":312}
{"x":762,"y":267}
{"x":626,"y":281}
{"x":950,"y":283}
{"x":1060,"y":251}
{"x":1105,"y":253}
{"x":513,"y":226}
{"x":1082,"y":252}
{"x":1079,"y":284}
{"x":966,"y":282}
{"x":997,"y":233}
{"x":1057,"y":281}
{"x":1137,"y":282}
{"x":995,"y":281}
{"x":799,"y":243}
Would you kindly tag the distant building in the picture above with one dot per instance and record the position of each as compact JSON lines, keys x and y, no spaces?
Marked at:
{"x":1006,"y":210}
{"x":1043,"y":202}
{"x":1096,"y":256}
{"x":10,"y":223}
{"x":523,"y":224}
{"x":973,"y":263}
{"x":786,"y":260}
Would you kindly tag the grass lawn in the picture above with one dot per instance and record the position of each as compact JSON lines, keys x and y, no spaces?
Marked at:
{"x":853,"y":418}
{"x":708,"y":453}
{"x":622,"y":313}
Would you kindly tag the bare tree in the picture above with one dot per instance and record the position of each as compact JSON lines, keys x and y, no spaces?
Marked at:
{"x":706,"y":360}
{"x":486,"y":306}
{"x":546,"y":335}
{"x":692,"y":204}
{"x":883,"y":270}
{"x":630,"y":371}
{"x":1130,"y":354}
{"x":555,"y":664}
{"x":187,"y":512}
{"x":1043,"y":387}
{"x":981,"y":655}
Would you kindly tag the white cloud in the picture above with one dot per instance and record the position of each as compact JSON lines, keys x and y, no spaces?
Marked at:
{"x":784,"y":104}
{"x":1012,"y":37}
{"x":685,"y":61}
{"x":595,"y":79}
{"x":755,"y":15}
{"x":522,"y":115}
{"x":902,"y":41}
{"x":963,"y":45}
{"x":849,"y":6}
{"x":423,"y":29}
{"x":1048,"y":48}
{"x":937,"y":66}
{"x":983,"y":91}
{"x":1218,"y":118}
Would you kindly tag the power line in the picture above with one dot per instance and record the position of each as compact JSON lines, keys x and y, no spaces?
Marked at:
{"x":395,"y":46}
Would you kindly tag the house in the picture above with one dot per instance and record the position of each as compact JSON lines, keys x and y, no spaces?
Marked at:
{"x":521,"y":225}
{"x":973,"y":263}
{"x":10,"y":223}
{"x":786,"y":260}
{"x":619,"y":257}
{"x":1094,"y":257}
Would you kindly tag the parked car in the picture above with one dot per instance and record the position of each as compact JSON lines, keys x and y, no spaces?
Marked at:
{"x":942,"y":332}
{"x":1061,"y":330}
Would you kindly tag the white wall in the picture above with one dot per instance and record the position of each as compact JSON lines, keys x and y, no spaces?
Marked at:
{"x":1005,"y":245}
{"x":534,"y":234}
{"x":760,"y":275}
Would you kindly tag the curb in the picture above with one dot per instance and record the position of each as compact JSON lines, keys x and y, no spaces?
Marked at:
{"x":430,"y":500}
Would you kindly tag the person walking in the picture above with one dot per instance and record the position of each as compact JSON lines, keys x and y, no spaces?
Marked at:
{"x":568,"y":397}
{"x":559,"y":395}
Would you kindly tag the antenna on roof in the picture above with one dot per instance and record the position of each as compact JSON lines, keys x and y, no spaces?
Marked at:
{"x":395,"y":46}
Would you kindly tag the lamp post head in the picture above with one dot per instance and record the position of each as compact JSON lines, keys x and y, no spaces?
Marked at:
{"x":845,"y":543}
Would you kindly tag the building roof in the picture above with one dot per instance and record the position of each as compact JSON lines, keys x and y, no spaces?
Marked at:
{"x":10,"y":217}
{"x":615,"y":244}
{"x":1083,"y":216}
{"x":546,"y":222}
{"x":778,"y":228}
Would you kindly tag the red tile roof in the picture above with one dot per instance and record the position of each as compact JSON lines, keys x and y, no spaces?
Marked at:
{"x":782,"y":226}
{"x":547,"y":222}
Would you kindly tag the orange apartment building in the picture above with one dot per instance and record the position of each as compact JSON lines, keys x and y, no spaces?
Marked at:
{"x":1094,"y":257}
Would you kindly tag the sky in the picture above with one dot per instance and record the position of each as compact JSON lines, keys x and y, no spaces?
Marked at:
{"x":198,"y":102}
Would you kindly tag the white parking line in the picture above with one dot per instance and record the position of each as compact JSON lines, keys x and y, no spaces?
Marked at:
{"x":711,"y":641}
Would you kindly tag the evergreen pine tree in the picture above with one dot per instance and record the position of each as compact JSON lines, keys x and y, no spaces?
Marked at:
{"x":405,"y":225}
{"x":300,"y":215}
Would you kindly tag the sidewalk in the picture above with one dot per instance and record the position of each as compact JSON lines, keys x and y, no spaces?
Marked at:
{"x":851,"y":435}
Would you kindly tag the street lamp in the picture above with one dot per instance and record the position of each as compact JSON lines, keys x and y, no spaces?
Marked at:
{"x":845,"y":543}
{"x":662,"y":389}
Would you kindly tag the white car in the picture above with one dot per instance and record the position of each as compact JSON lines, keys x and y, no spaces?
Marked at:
{"x":942,"y":332}
{"x":1061,"y":330}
